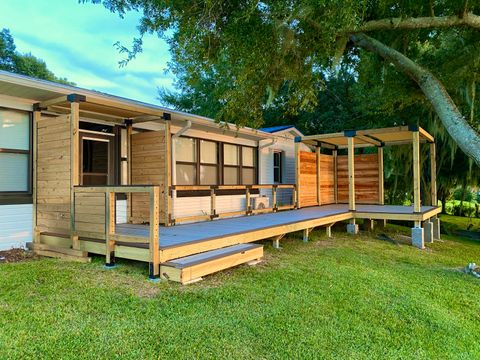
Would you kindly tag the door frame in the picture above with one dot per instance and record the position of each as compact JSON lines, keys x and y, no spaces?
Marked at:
{"x":102,"y":137}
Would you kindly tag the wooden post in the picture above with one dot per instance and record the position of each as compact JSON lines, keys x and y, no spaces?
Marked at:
{"x":433,"y":175}
{"x":381,"y":191}
{"x":351,"y":174}
{"x":274,"y":198}
{"x":335,"y":176}
{"x":318,"y":160}
{"x":416,"y":171}
{"x":128,"y":123}
{"x":297,"y":173}
{"x":109,"y":228}
{"x":36,"y":118}
{"x":168,"y":171}
{"x":247,"y":200}
{"x":74,"y":166}
{"x":154,"y":235}
{"x":213,"y":203}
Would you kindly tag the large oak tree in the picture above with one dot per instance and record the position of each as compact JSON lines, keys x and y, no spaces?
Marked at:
{"x":258,"y":46}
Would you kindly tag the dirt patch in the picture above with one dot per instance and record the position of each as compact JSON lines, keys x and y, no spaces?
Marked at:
{"x":15,"y":255}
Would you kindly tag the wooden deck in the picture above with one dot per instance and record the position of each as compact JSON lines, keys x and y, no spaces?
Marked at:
{"x":251,"y":228}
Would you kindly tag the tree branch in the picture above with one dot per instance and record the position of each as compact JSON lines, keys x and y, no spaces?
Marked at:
{"x":467,"y":19}
{"x":462,"y":133}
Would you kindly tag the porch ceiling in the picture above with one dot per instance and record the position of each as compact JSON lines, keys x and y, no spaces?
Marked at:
{"x":372,"y":137}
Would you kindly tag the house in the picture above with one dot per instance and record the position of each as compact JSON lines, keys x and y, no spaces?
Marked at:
{"x":83,"y":172}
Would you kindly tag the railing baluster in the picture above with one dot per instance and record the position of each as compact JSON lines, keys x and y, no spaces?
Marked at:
{"x":213,"y":203}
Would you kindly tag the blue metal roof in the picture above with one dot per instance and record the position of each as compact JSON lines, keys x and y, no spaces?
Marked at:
{"x":274,"y":129}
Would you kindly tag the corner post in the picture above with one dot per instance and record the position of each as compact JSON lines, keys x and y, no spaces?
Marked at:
{"x":36,"y":232}
{"x":433,"y":175}
{"x":128,"y":126}
{"x":318,"y":161}
{"x":416,"y":171}
{"x":109,"y":228}
{"x":335,"y":176}
{"x":154,"y":249}
{"x":351,"y":173}
{"x":298,"y":141}
{"x":381,"y":191}
{"x":168,"y":171}
{"x":74,"y":100}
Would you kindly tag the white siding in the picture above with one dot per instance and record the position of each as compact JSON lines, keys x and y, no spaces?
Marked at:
{"x":15,"y":225}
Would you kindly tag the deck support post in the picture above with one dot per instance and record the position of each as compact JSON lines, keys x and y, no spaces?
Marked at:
{"x":428,"y":231}
{"x":306,"y":234}
{"x":168,"y":179}
{"x":418,"y":235}
{"x":370,"y":224}
{"x":276,"y":241}
{"x":154,"y":249}
{"x":74,"y":166}
{"x":436,"y":227}
{"x":352,"y":227}
{"x":351,"y":173}
{"x":328,"y":231}
{"x":416,"y":172}
{"x":36,"y":231}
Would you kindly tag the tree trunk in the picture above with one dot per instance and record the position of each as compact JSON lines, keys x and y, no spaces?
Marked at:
{"x":462,"y":133}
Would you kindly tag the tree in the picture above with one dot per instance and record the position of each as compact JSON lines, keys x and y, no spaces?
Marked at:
{"x":266,"y":43}
{"x":25,"y":64}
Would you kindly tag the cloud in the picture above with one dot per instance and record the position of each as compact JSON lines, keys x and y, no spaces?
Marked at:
{"x":76,"y":41}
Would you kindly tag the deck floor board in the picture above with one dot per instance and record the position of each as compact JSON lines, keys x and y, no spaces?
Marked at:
{"x":185,"y":233}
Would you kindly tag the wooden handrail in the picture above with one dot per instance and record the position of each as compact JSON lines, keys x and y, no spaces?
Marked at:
{"x":213,"y":213}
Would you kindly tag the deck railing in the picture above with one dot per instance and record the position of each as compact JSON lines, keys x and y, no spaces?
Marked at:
{"x":87,"y":219}
{"x":213,"y":213}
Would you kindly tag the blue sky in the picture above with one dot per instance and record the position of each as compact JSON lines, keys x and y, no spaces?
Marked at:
{"x":76,"y":41}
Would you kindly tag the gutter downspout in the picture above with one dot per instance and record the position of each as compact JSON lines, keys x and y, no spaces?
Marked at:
{"x":175,"y":136}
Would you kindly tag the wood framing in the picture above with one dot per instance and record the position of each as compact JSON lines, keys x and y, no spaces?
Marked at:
{"x":433,"y":175}
{"x":319,"y":178}
{"x":74,"y":164}
{"x":381,"y":191}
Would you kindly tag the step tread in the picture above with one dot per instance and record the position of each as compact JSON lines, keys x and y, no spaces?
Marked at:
{"x":191,"y":260}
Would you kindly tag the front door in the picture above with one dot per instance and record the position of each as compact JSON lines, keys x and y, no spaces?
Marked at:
{"x":96,"y":158}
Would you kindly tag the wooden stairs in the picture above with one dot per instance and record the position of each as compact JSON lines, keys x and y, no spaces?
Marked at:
{"x":192,"y":268}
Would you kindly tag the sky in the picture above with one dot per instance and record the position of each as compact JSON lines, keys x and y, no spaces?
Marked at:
{"x":77,"y":42}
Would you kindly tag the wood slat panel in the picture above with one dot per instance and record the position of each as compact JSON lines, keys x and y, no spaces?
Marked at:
{"x":148,"y":168}
{"x":308,"y":179}
{"x":366,"y":178}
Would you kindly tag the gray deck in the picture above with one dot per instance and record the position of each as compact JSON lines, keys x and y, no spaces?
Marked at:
{"x":187,"y":233}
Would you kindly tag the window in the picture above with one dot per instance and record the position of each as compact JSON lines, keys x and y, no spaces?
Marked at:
{"x":277,"y":167}
{"x":15,"y":153}
{"x":205,"y":162}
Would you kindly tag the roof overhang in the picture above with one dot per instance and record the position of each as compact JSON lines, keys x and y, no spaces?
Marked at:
{"x":367,"y":138}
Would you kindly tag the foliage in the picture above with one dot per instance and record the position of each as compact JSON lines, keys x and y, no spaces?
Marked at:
{"x":25,"y":64}
{"x":350,"y":297}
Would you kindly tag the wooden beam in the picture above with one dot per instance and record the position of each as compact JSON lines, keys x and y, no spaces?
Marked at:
{"x":317,"y":159}
{"x":426,"y":135}
{"x":146,"y":118}
{"x":124,"y":106}
{"x":381,"y":191}
{"x":109,"y":228}
{"x":59,"y":100}
{"x":369,"y":140}
{"x":74,"y":166}
{"x":433,"y":175}
{"x":416,"y":172}
{"x":351,"y":173}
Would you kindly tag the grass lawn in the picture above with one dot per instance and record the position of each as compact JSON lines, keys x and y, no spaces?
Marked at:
{"x":347,"y":297}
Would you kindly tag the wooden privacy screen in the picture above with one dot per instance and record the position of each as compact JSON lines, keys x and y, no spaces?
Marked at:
{"x":366,"y":178}
{"x":53,"y":174}
{"x":148,"y":168}
{"x":308,"y":179}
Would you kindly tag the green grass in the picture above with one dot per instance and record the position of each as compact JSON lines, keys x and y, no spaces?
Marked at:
{"x":349,"y":297}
